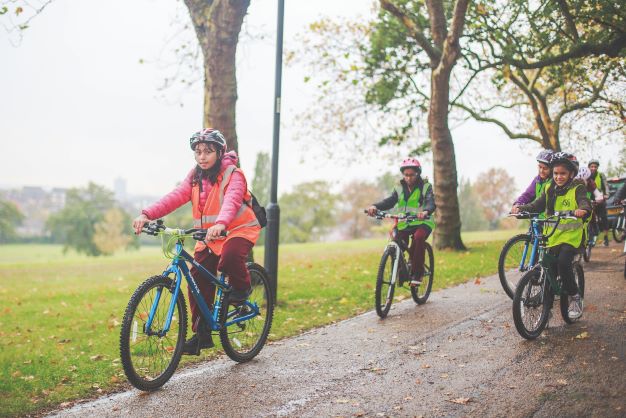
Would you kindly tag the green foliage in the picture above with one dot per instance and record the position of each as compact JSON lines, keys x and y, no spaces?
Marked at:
{"x":75,"y":224}
{"x":619,"y":169}
{"x":307,"y":213}
{"x":10,"y":218}
{"x":261,"y":181}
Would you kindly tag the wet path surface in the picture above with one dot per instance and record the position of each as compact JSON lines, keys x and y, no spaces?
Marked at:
{"x":457,"y":355}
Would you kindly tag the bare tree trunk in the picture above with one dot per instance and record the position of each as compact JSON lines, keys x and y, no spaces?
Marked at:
{"x":448,"y":232}
{"x":217,"y":24}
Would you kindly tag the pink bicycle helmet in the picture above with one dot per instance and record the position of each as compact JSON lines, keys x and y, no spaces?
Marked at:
{"x":411,"y":163}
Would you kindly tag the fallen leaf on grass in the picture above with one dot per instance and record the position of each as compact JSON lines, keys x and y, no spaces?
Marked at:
{"x":582,"y":336}
{"x":460,"y":401}
{"x":16,"y":373}
{"x":96,"y":357}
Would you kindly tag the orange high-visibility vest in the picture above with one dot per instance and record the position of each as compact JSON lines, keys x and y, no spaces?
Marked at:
{"x":245,"y":224}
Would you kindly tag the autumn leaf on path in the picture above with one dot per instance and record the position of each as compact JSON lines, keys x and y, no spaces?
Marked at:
{"x":460,"y":401}
{"x":582,"y":336}
{"x":477,"y":281}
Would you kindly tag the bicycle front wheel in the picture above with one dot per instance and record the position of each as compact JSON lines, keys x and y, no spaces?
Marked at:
{"x":579,"y":278}
{"x":514,"y":262}
{"x":243,"y":340}
{"x":150,"y":358}
{"x":420,"y":293}
{"x":587,"y":251}
{"x":532,"y":303}
{"x":385,"y":283}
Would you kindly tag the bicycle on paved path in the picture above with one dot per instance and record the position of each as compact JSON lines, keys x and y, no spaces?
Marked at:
{"x":593,"y":230}
{"x":154,"y":327}
{"x":538,"y":287}
{"x":395,"y":268}
{"x":519,"y":254}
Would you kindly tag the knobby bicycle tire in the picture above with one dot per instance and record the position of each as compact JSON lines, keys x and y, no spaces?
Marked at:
{"x":510,"y":277}
{"x":136,"y":356}
{"x":579,"y":277}
{"x":239,"y":340}
{"x":532,"y":293}
{"x":420,"y":293}
{"x":619,"y":230}
{"x":384,"y":277}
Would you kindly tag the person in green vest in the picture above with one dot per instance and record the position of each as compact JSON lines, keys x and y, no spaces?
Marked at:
{"x":412,"y":195}
{"x":564,"y":194}
{"x":600,"y":180}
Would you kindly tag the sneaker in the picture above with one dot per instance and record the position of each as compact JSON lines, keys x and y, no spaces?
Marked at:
{"x":575,"y":307}
{"x":416,"y":280}
{"x":237,"y":297}
{"x":606,"y":241}
{"x":196,"y":343}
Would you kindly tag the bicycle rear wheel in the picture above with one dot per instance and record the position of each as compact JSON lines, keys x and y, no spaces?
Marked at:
{"x":150,"y":360}
{"x":242,"y":341}
{"x":619,"y":230}
{"x":579,"y":277}
{"x":384,"y":282}
{"x":420,"y":293}
{"x":532,"y":303}
{"x":514,"y":262}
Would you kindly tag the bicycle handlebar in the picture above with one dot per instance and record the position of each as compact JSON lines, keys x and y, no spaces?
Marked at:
{"x":156,"y":227}
{"x":400,"y":216}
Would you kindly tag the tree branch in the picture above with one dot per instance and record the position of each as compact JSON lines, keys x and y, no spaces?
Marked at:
{"x":569,"y":19}
{"x":611,"y":49}
{"x":433,"y":52}
{"x":501,"y":124}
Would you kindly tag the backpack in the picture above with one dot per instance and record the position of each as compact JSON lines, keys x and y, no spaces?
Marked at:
{"x":259,"y":211}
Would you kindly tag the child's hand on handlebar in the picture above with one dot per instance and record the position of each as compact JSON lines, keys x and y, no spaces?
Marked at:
{"x":139,"y":222}
{"x":515,"y":210}
{"x":422,"y":215}
{"x":580,"y":213}
{"x":371,"y":211}
{"x":215,"y":231}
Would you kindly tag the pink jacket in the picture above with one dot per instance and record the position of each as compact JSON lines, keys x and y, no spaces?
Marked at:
{"x":233,"y":195}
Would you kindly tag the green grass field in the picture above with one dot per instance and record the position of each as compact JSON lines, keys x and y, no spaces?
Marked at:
{"x":60,"y":314}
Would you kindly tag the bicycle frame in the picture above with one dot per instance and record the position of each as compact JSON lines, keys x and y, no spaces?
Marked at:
{"x":534,"y":234}
{"x":179,"y":268}
{"x":396,"y":263}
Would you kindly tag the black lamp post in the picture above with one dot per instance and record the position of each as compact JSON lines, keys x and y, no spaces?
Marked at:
{"x":273,"y":211}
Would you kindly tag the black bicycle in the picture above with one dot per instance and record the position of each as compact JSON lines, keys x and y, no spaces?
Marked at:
{"x":395,"y":268}
{"x":537,"y":288}
{"x":593,"y":230}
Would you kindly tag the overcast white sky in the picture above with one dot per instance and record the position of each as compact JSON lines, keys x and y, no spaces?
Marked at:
{"x":77,"y":106}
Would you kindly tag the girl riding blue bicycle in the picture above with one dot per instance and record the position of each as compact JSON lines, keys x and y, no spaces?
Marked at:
{"x":219,"y":195}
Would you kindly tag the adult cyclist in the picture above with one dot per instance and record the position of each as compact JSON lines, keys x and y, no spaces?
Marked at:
{"x":415,"y":195}
{"x":600,"y":180}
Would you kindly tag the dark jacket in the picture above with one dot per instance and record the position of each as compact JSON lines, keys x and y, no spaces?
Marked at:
{"x":427,"y":201}
{"x":620,"y":194}
{"x":542,"y":204}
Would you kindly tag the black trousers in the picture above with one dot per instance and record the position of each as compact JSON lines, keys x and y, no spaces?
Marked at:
{"x":565,"y":255}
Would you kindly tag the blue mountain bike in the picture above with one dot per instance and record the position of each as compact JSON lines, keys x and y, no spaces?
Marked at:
{"x":154,"y":327}
{"x":519,"y":254}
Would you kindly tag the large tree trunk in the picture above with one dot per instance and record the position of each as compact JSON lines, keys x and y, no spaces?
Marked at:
{"x":448,"y":232}
{"x":217,"y":24}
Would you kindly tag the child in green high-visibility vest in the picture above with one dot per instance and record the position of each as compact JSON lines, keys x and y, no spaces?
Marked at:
{"x":412,"y":195}
{"x":564,"y":194}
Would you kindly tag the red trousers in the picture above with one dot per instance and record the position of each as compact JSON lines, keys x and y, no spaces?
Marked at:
{"x":232,"y":263}
{"x":417,"y":250}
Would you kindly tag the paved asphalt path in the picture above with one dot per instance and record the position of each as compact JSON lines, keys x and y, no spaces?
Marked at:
{"x":458,"y":355}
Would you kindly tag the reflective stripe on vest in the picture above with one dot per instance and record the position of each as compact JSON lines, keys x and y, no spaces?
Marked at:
{"x":412,"y":205}
{"x":569,"y":231}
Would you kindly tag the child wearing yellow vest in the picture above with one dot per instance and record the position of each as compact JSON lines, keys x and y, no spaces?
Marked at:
{"x":218,"y":193}
{"x":413,"y":195}
{"x":564,"y":194}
